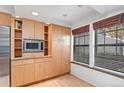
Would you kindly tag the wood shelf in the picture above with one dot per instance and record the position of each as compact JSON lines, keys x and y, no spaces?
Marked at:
{"x":18,"y":53}
{"x":16,"y":29}
{"x":18,"y":38}
{"x":46,"y":40}
{"x":17,"y":48}
{"x":46,"y":36}
{"x":46,"y":47}
{"x":46,"y":33}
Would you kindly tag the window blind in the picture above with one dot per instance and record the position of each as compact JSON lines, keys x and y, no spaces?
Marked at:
{"x":109,"y":43}
{"x":108,"y":22}
{"x":81,"y":44}
{"x":80,"y":30}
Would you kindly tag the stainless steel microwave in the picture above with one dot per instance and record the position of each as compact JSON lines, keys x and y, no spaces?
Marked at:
{"x":32,"y":45}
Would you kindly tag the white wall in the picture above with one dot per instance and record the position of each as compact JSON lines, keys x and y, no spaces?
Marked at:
{"x":7,"y":9}
{"x":92,"y":76}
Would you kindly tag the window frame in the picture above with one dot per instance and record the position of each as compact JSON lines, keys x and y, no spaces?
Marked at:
{"x":84,"y":45}
{"x":116,"y":45}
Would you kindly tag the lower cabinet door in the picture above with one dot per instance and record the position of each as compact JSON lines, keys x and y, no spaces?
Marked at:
{"x":49,"y":69}
{"x":39,"y":71}
{"x":17,"y":75}
{"x":65,"y":66}
{"x":29,"y":73}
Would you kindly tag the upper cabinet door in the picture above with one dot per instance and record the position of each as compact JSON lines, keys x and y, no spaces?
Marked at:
{"x":39,"y":30}
{"x":56,"y":34}
{"x":28,"y":29}
{"x":5,"y":19}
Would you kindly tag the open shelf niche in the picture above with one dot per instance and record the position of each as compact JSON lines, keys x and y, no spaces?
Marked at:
{"x":47,"y":39}
{"x":46,"y":29}
{"x":18,"y":37}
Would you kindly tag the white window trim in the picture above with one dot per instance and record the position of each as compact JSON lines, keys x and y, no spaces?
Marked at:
{"x":81,"y":63}
{"x":72,"y":41}
{"x":109,"y":71}
{"x":91,"y":46}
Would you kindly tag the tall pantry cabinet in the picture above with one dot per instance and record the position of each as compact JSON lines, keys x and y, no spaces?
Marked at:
{"x":66,"y":48}
{"x":61,"y":49}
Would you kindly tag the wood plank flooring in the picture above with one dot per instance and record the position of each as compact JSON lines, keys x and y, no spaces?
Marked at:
{"x":63,"y":81}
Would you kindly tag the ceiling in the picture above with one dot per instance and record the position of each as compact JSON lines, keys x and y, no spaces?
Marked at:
{"x":61,"y":14}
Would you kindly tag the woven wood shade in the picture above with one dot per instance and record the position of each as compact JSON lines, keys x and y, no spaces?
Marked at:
{"x":80,"y":30}
{"x":108,"y":22}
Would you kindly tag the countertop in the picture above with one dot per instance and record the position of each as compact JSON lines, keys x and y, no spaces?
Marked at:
{"x":23,"y":58}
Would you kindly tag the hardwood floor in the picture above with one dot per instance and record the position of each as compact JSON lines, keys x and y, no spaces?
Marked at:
{"x":63,"y":81}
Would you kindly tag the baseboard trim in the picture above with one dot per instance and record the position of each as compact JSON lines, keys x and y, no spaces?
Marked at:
{"x":35,"y":82}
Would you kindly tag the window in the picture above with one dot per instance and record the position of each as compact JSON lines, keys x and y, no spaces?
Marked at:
{"x":109,"y":48}
{"x":81,"y":47}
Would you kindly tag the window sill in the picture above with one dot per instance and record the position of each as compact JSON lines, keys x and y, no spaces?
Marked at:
{"x":114,"y":73}
{"x":82,"y":64}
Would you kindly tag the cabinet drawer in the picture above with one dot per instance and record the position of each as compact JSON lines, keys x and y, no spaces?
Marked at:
{"x":29,"y":74}
{"x":17,"y":75}
{"x":43,"y":60}
{"x":28,"y":61}
{"x":40,"y":54}
{"x":38,"y":60}
{"x":46,"y":59}
{"x":17,"y":62}
{"x":28,"y":55}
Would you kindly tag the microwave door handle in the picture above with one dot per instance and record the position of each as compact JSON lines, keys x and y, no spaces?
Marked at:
{"x":39,"y":47}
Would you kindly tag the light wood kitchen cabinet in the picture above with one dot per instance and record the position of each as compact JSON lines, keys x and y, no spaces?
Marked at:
{"x":56,"y":32}
{"x":17,"y":73}
{"x":43,"y":68}
{"x":61,"y":49}
{"x":39,"y":70}
{"x":57,"y":48}
{"x":66,"y":50}
{"x":32,"y":55}
{"x":29,"y":68}
{"x":33,"y":29}
{"x":5,"y":19}
{"x":28,"y":55}
{"x":38,"y":54}
{"x":12,"y":38}
{"x":28,"y":29}
{"x":39,"y":30}
{"x":49,"y":69}
{"x":22,"y":72}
